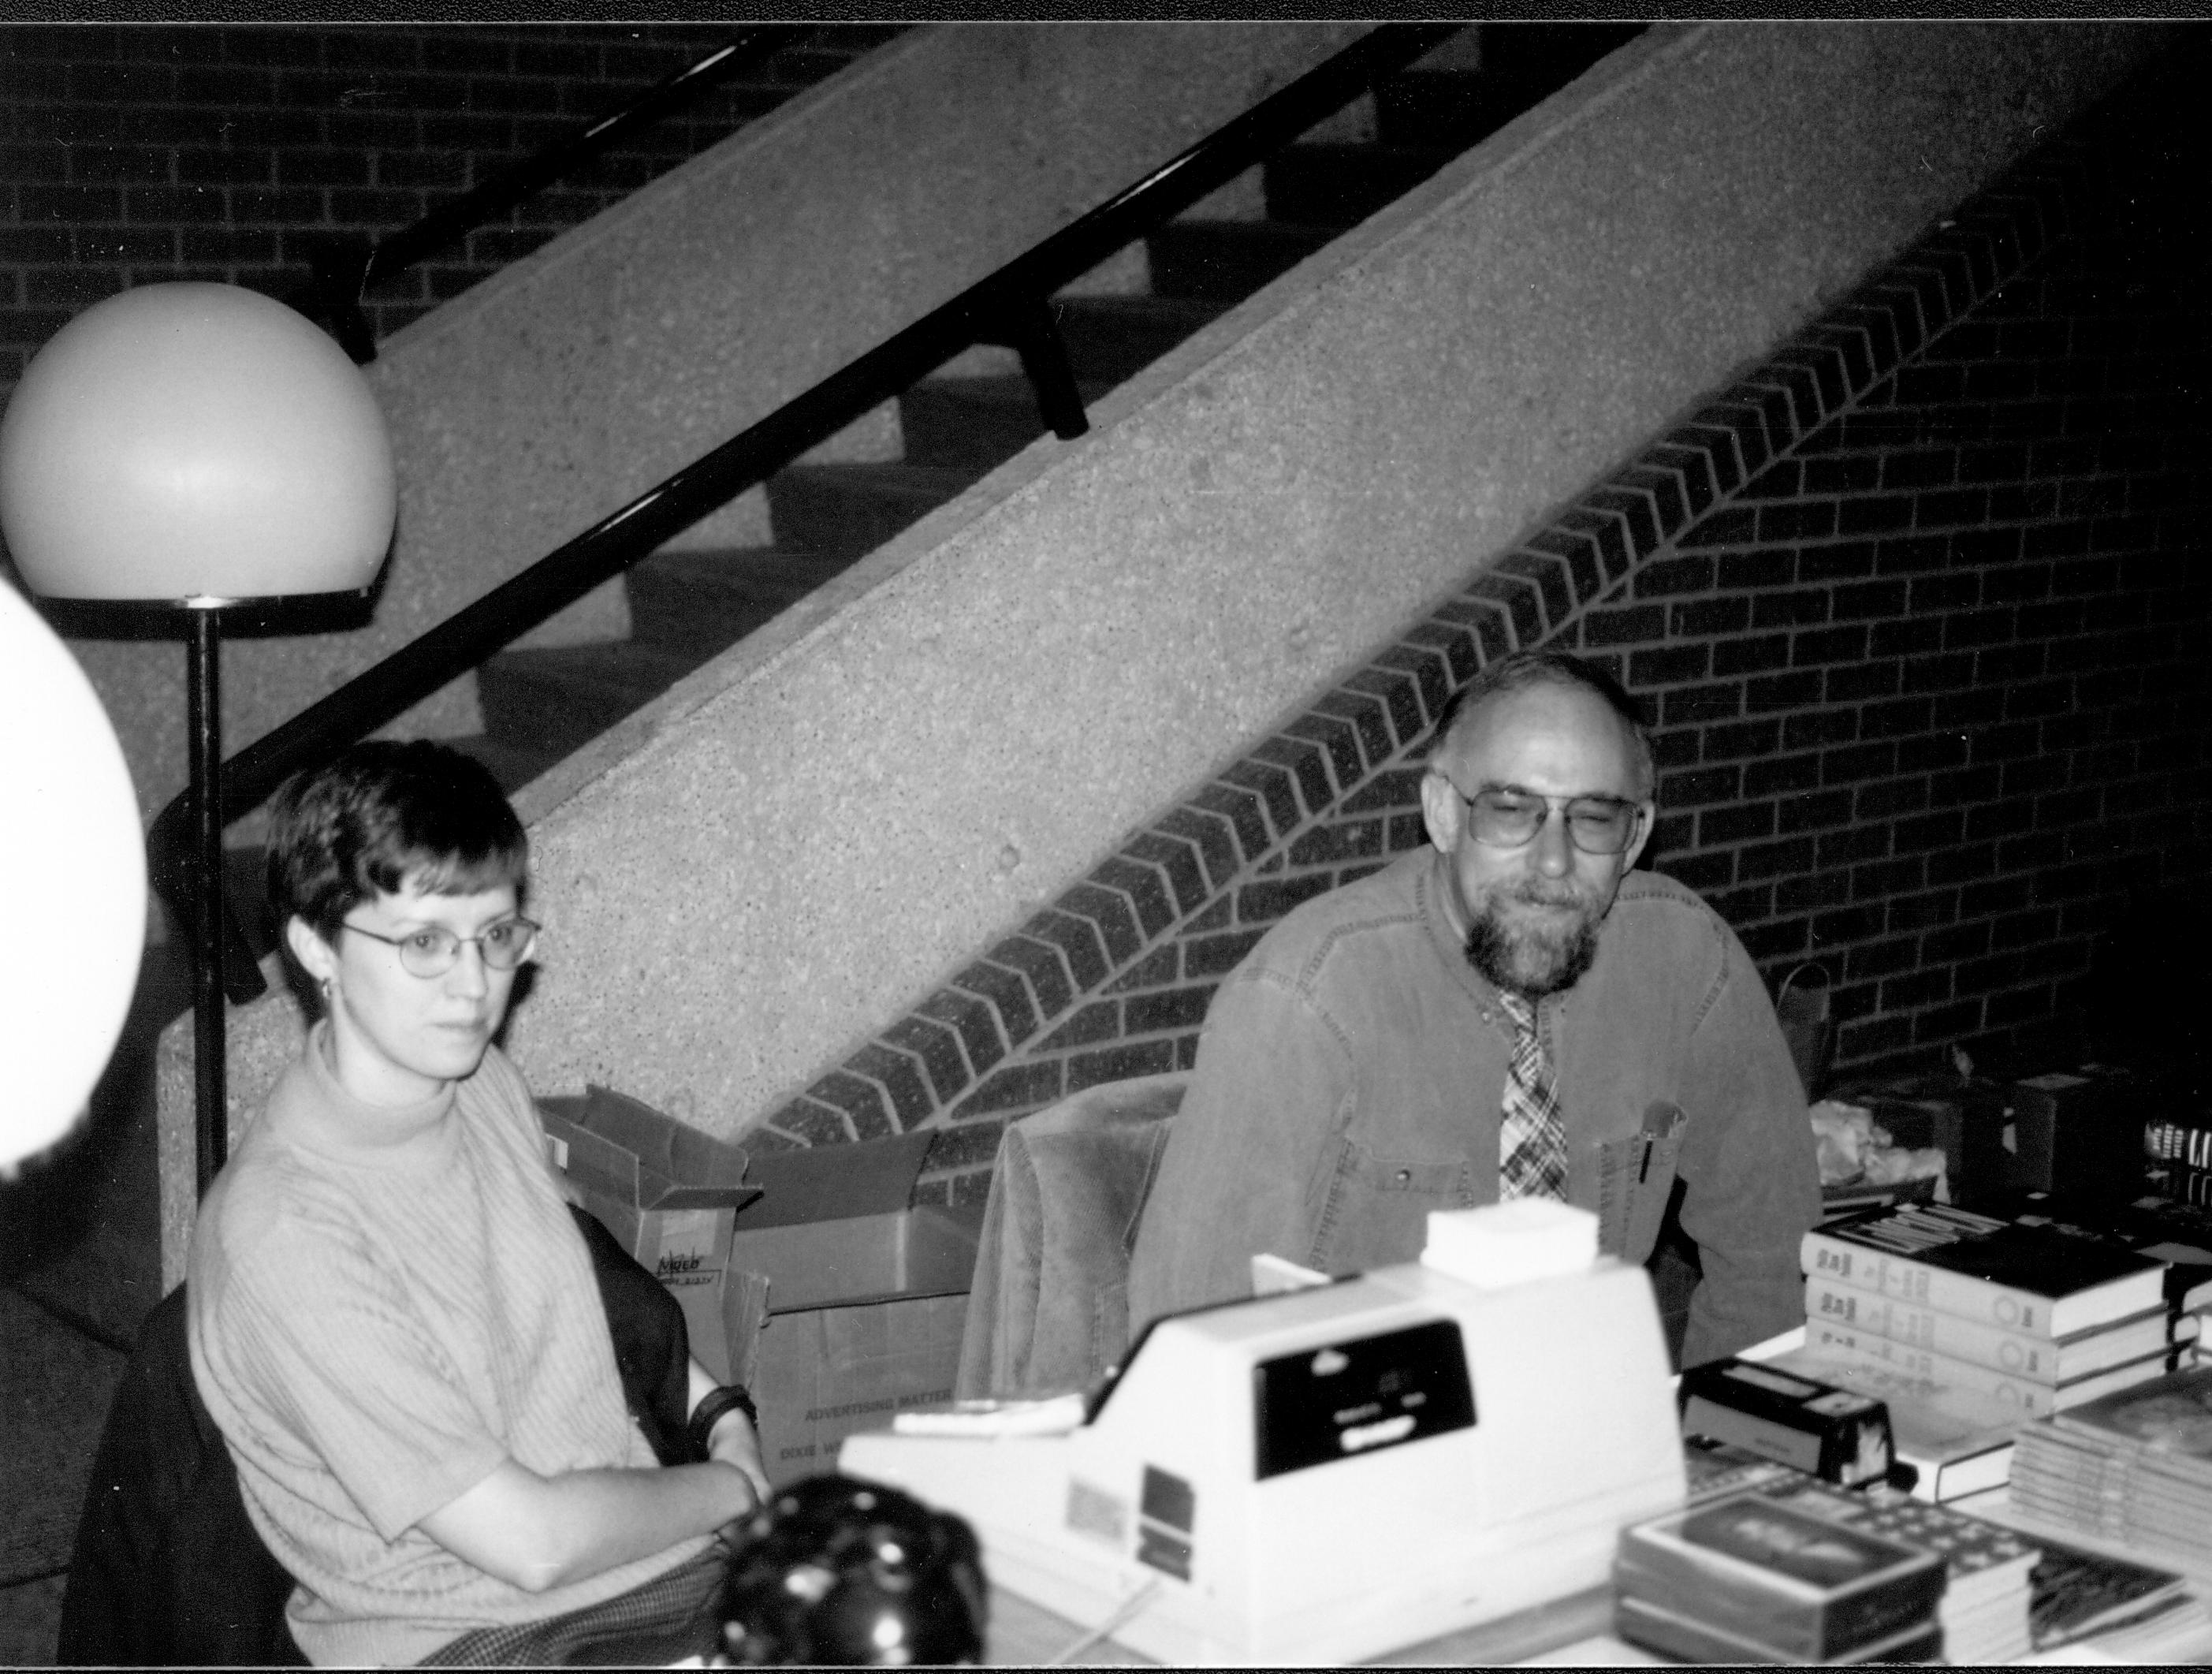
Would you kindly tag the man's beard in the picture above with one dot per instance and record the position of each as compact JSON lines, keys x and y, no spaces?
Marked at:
{"x":1535,"y":958}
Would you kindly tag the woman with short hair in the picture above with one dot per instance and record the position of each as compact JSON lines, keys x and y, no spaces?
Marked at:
{"x":393,"y":1318}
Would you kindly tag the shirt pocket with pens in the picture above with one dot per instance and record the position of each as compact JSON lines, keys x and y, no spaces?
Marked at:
{"x":1635,"y":1174}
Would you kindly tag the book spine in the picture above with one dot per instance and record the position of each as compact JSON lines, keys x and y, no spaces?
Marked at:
{"x":2182,"y":1183}
{"x":2013,"y":1353}
{"x":1834,"y":1259}
{"x":1932,"y":1373}
{"x":2170,"y":1141}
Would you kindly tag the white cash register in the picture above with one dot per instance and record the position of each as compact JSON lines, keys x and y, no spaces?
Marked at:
{"x":1335,"y":1472}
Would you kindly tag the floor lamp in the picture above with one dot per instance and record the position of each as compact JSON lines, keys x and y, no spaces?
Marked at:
{"x":198,"y":453}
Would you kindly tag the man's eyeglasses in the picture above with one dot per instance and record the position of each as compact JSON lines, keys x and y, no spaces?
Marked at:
{"x":433,"y":950}
{"x":1507,"y":817}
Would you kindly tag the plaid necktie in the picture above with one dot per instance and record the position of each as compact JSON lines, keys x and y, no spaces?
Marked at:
{"x":1532,"y":1145}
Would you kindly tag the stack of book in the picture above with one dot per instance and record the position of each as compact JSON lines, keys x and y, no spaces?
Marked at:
{"x":1982,"y":1314}
{"x":2134,"y":1468}
{"x":1988,"y":1570}
{"x":1751,"y":1579}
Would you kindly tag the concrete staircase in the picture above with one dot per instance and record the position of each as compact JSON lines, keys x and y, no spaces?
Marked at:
{"x":540,"y":705}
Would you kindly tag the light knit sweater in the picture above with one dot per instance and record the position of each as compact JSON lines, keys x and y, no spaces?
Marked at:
{"x":385,"y":1304}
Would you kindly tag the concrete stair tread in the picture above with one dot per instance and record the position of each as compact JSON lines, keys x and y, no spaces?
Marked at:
{"x":841,"y":510}
{"x":623,"y":664}
{"x":697,"y":603}
{"x":975,"y":424}
{"x":1226,"y":261}
{"x":513,"y":765}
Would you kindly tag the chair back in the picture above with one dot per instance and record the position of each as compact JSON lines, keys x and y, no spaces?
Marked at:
{"x":1049,"y":1308}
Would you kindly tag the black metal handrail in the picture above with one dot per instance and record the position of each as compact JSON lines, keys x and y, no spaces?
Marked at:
{"x":344,"y":268}
{"x":1010,"y":308}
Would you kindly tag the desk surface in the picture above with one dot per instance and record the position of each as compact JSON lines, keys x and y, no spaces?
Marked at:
{"x":1023,"y":1633}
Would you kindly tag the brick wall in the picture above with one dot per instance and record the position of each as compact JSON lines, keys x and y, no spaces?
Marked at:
{"x":139,"y":153}
{"x":1918,"y":606}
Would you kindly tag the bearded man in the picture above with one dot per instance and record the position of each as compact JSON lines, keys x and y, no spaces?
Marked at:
{"x":1507,"y":1012}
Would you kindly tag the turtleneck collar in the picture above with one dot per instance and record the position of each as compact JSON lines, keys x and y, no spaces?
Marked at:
{"x":310,"y":1108}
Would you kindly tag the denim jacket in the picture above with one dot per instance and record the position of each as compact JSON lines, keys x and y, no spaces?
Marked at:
{"x":1352,"y":1073}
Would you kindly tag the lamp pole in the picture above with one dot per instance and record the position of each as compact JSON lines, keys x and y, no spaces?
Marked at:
{"x":204,"y":721}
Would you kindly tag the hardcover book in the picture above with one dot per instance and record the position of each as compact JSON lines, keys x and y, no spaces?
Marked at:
{"x":1957,"y":1442}
{"x":2016,"y":1353}
{"x":1749,"y":1566}
{"x":2029,"y":1397}
{"x":2168,"y":1419}
{"x":1674,"y":1633}
{"x":2041,"y":1281}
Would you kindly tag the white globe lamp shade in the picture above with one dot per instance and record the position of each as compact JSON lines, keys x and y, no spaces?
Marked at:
{"x":72,"y":886}
{"x":196,"y":441}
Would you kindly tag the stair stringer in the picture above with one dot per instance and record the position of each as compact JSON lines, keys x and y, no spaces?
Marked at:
{"x":744,"y":881}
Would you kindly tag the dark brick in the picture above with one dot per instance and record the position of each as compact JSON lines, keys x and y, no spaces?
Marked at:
{"x":998,"y":980}
{"x":1120,"y":1063}
{"x":1145,"y":890}
{"x":1781,"y":775}
{"x":1811,"y":812}
{"x":1400,"y":698}
{"x":1021,"y":1086}
{"x":1306,"y":764}
{"x":900,"y":1077}
{"x":1456,"y":643}
{"x":1078,"y":941}
{"x":1174,"y":1008}
{"x":1216,"y":955}
{"x":1776,"y":860}
{"x":1339,"y":842}
{"x":1634,"y":625}
{"x":1866,"y":514}
{"x":936,"y":1046}
{"x":1767,"y":694}
{"x":1398,"y":787}
{"x":1775,"y":940}
{"x":1241,"y":811}
{"x":1752,"y":656}
{"x":1088,"y":1025}
{"x":1772,"y":568}
{"x":1691,"y":705}
{"x":1011,"y":1009}
{"x":1829,"y":645}
{"x":1520,"y":599}
{"x":1636,"y":509}
{"x":809,"y":1123}
{"x":1086,"y":920}
{"x":862,"y":1102}
{"x":1367,"y":716}
{"x":1710,"y":617}
{"x":1264,"y":903}
{"x":1730,"y":525}
{"x":960,"y":1146}
{"x":1791,"y":609}
{"x":1570,"y":563}
{"x":1040,"y":955}
{"x":1183,"y":837}
{"x":1804,"y":894}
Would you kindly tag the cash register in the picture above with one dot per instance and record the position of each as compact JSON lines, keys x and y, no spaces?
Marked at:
{"x":1335,"y":1471}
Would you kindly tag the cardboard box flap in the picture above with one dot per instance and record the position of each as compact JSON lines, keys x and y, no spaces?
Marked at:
{"x":835,"y":1182}
{"x":646,"y":1160}
{"x":591,"y":1160}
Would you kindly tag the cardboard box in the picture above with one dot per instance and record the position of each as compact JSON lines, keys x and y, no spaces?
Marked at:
{"x":837,"y":1225}
{"x":2078,"y":1130}
{"x":867,"y":1294}
{"x":1966,"y":1120}
{"x":670,"y":1194}
{"x":823,"y":1373}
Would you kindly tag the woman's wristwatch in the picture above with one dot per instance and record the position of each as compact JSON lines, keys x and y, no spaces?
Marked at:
{"x":713,"y":1406}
